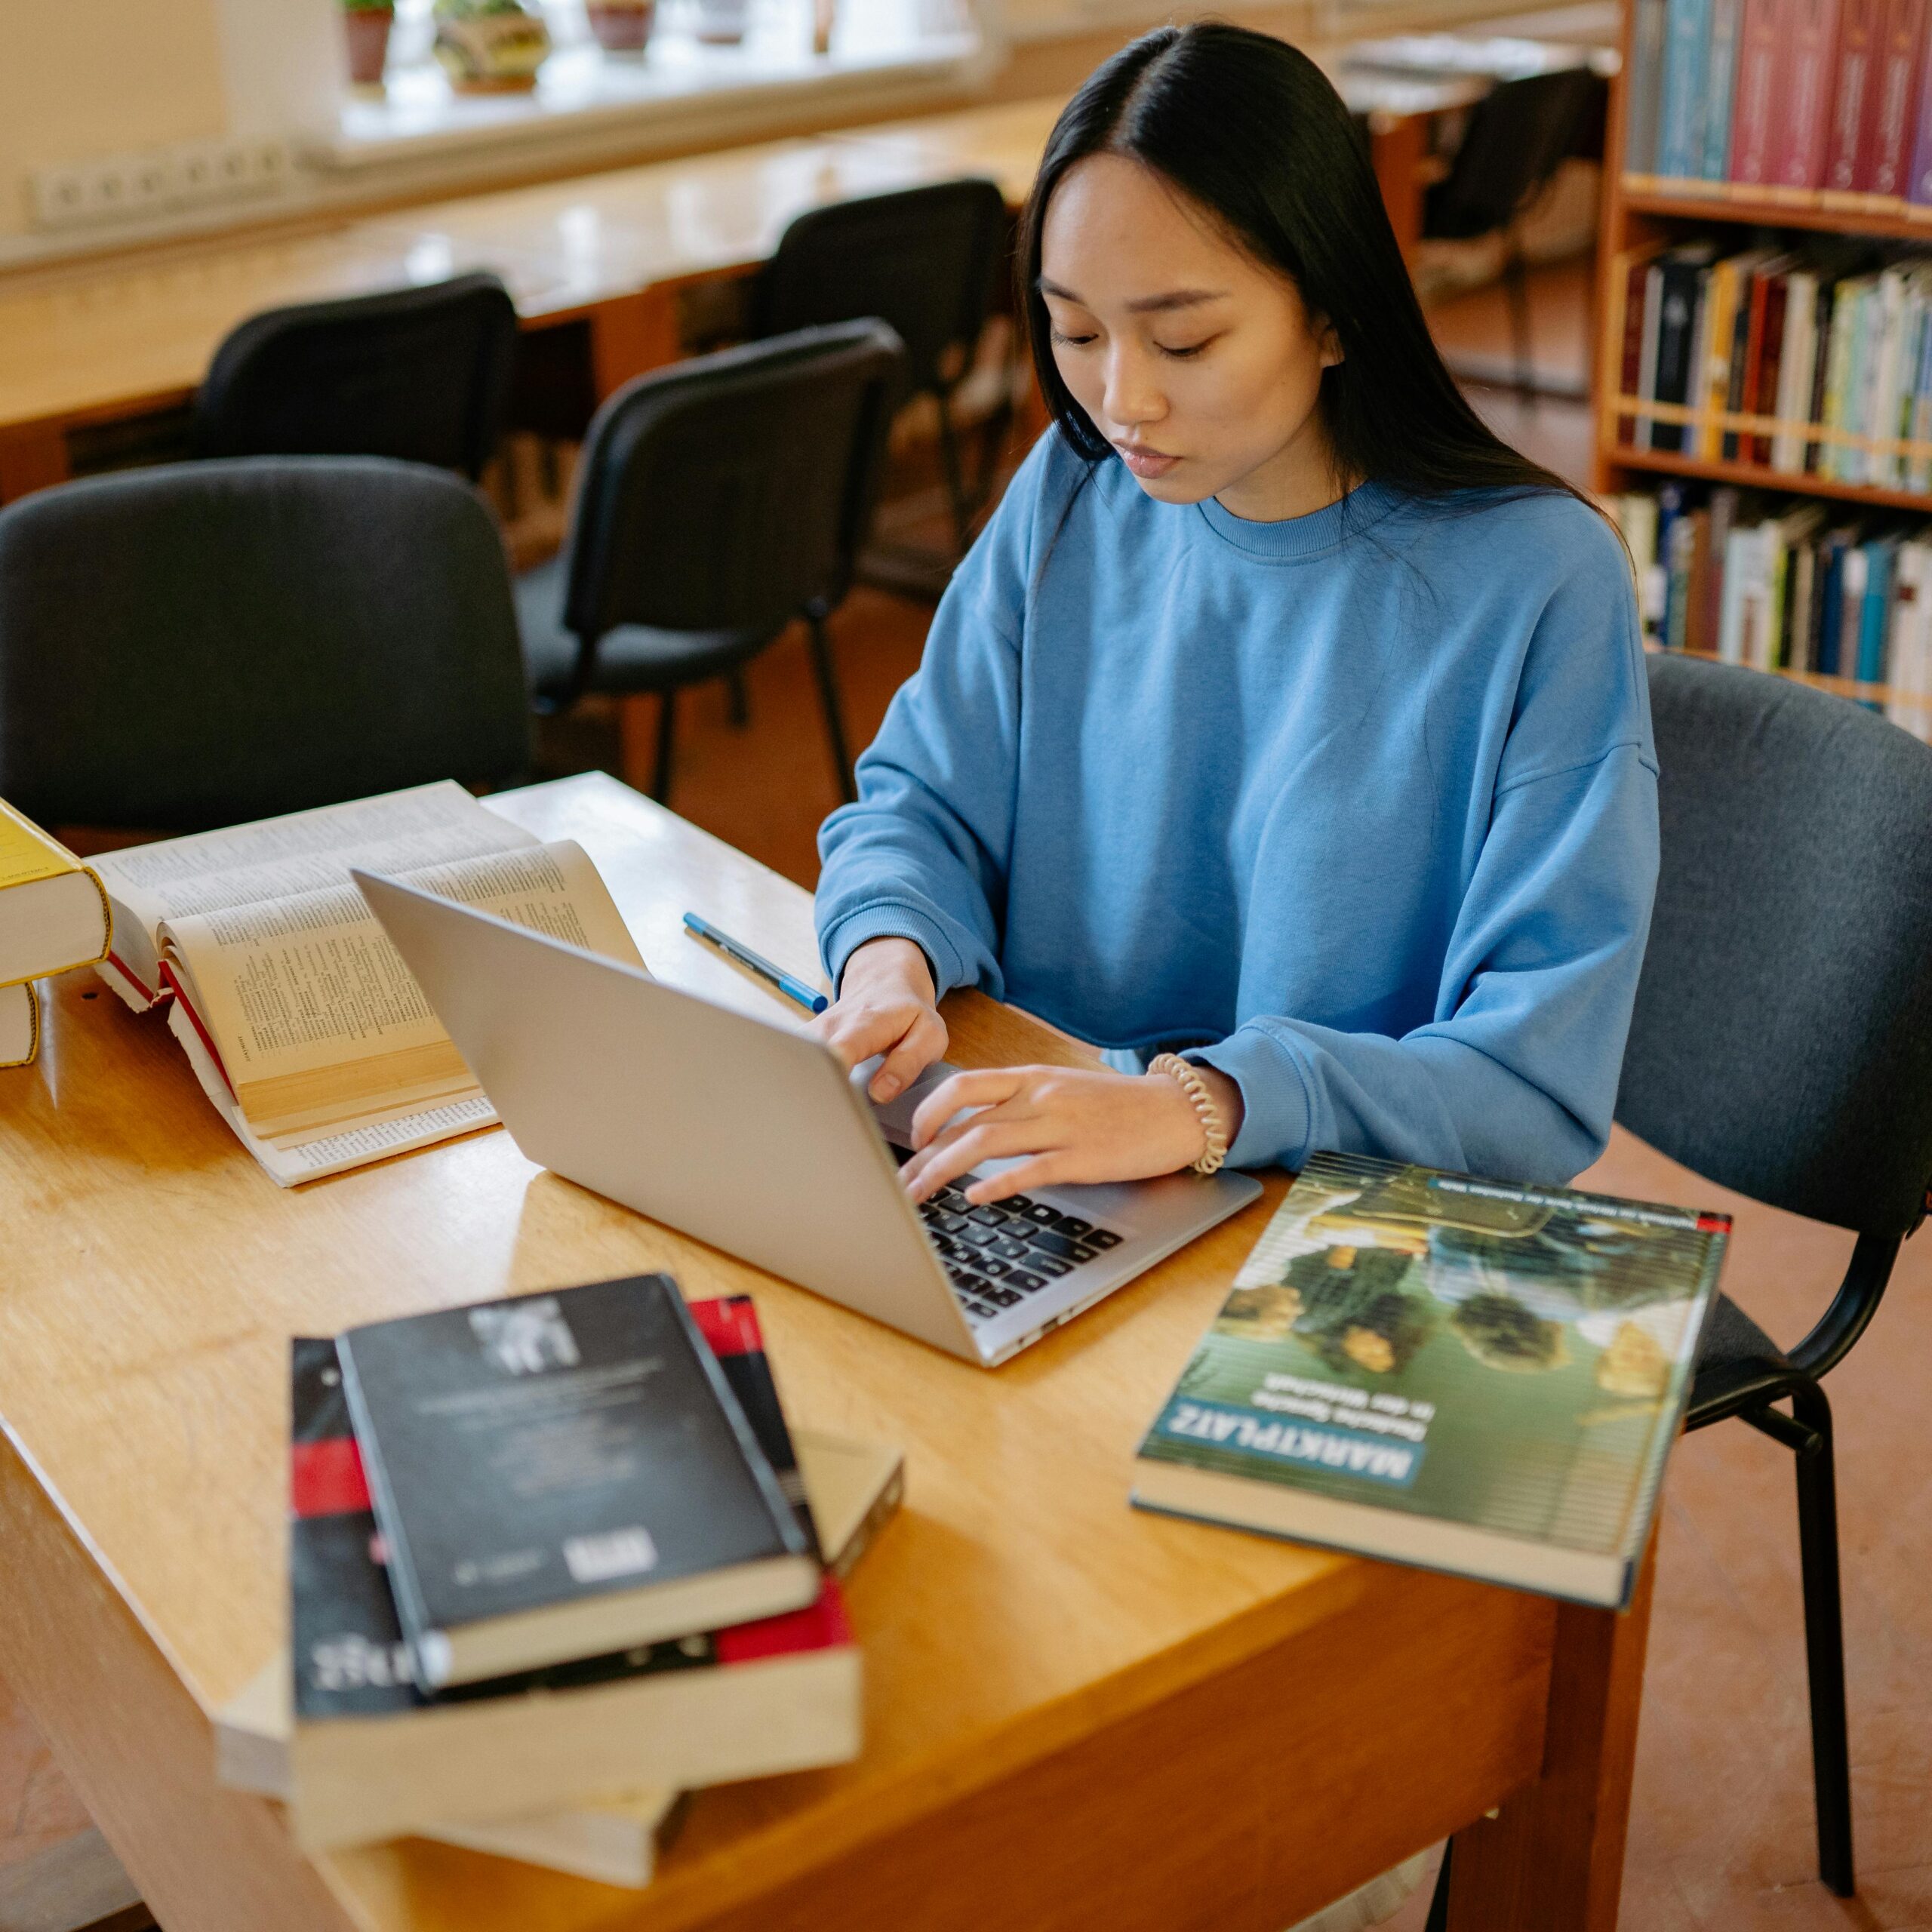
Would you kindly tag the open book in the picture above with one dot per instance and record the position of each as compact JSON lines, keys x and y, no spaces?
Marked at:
{"x":299,"y":1019}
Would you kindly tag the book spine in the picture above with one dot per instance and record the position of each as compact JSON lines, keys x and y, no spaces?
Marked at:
{"x":1644,"y":88}
{"x":1872,"y":610}
{"x":1858,"y":42}
{"x":1681,"y":132}
{"x":1676,"y":345}
{"x":1803,"y":101}
{"x":1747,"y":353}
{"x":1720,"y":82}
{"x":1919,"y":175}
{"x":1794,"y":370}
{"x":1759,"y":49}
{"x":1767,"y":379}
{"x":1630,"y":366}
{"x":1647,"y":374}
{"x":1827,"y":310}
{"x":1737,"y":544}
{"x":1885,"y":159}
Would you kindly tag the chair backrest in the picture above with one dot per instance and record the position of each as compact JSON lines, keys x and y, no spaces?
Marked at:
{"x":207,"y":642}
{"x":420,"y":374}
{"x":730,"y":491}
{"x":922,"y":259}
{"x":1517,"y":136}
{"x":1781,"y":1044}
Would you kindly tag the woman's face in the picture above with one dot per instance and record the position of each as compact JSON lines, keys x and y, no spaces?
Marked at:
{"x":1200,"y":365}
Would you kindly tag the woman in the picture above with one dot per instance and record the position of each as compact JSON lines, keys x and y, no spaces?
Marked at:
{"x":1283,"y":717}
{"x":1285,"y":735}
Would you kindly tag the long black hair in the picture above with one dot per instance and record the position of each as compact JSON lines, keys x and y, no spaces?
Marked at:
{"x":1251,"y":129}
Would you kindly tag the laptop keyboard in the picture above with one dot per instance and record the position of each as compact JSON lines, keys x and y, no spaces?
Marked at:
{"x":998,"y":1255}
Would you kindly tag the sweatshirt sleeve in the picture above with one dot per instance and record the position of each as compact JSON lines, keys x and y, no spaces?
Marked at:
{"x":1516,"y":1074}
{"x":923,"y":853}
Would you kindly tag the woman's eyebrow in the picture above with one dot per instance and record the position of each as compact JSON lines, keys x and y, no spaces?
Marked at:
{"x":1176,"y":298}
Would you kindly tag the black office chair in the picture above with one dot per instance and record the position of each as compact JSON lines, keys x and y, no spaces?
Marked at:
{"x":1782,"y":1046}
{"x":208,"y":642}
{"x":1516,"y":138}
{"x":924,"y":261}
{"x":420,"y":374}
{"x":717,"y":500}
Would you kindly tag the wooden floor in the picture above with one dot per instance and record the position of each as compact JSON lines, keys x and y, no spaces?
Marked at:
{"x":1720,"y":1829}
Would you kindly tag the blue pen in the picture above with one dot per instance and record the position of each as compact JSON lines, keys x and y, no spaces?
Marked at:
{"x":809,"y":998}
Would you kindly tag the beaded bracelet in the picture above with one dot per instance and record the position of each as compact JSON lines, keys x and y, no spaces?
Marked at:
{"x":1188,"y":1078}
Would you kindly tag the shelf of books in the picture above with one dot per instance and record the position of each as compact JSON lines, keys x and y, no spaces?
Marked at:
{"x":1763,"y":393}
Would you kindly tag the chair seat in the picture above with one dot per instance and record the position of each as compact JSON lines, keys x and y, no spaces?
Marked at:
{"x":634,"y":658}
{"x":1736,"y":1359}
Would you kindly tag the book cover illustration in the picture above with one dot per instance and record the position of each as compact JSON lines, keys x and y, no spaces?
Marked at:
{"x":1513,"y":1359}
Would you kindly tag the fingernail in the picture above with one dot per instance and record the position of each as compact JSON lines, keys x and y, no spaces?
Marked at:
{"x":885,"y":1086}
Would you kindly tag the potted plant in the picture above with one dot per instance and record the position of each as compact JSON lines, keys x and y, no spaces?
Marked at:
{"x":490,"y":46}
{"x":622,"y":26}
{"x":366,"y":24}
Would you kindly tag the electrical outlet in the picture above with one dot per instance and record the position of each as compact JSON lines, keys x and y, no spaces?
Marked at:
{"x":121,"y":188}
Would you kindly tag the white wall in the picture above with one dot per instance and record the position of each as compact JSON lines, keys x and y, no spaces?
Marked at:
{"x":81,"y":79}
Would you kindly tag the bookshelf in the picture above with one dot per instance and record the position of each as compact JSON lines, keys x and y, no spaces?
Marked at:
{"x":1640,"y":212}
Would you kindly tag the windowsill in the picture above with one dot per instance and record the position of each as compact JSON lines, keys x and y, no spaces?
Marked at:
{"x":583,"y":93}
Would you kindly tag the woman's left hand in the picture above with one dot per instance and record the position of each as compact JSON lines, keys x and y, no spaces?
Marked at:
{"x":1068,"y":1125}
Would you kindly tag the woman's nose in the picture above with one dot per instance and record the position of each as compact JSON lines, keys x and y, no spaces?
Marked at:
{"x":1132,"y":396}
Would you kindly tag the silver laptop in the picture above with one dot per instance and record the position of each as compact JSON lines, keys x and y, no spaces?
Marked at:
{"x":756,"y":1139}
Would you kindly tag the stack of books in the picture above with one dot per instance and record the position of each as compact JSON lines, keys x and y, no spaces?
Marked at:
{"x":1812,"y":363}
{"x":1784,"y":586}
{"x":553,"y":1561}
{"x":53,"y":917}
{"x":1813,"y":103}
{"x":303,"y":1024}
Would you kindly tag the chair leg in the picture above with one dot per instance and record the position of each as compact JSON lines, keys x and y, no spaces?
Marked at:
{"x":741,"y":698}
{"x":1824,"y":1638}
{"x":1438,"y":1905}
{"x":955,"y":482}
{"x":667,"y":732}
{"x":828,"y":696}
{"x":1516,"y":287}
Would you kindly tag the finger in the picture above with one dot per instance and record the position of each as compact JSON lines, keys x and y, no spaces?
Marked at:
{"x":922,"y":1043}
{"x":1043,"y":1170}
{"x":988,"y":1086}
{"x":954,"y":1155}
{"x":856,"y":1033}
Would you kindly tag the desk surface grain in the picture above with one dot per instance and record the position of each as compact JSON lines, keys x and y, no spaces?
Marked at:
{"x":1107,"y":1717}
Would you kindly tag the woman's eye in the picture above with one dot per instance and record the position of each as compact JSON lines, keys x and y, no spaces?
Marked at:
{"x":1181,"y":355}
{"x":1071,"y":341}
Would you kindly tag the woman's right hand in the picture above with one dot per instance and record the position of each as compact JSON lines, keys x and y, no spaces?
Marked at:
{"x":886,"y":1005}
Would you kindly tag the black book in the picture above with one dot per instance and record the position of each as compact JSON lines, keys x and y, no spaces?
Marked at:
{"x":1681,"y":273}
{"x":564,"y":1476}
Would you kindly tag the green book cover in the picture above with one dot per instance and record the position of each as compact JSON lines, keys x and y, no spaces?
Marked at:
{"x":1513,"y":1360}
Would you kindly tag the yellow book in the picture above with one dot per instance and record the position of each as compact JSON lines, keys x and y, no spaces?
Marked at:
{"x":20,"y":1025}
{"x":54,"y":913}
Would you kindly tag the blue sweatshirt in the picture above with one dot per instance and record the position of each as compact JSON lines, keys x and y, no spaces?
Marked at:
{"x":1359,"y":807}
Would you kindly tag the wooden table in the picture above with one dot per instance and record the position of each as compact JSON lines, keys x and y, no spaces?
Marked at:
{"x":1077,"y":1716}
{"x":104,"y":344}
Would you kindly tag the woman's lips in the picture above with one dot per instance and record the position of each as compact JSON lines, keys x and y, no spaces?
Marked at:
{"x":1144,"y":462}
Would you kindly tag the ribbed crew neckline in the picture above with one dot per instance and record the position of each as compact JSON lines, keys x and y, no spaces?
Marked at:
{"x":1296,"y":539}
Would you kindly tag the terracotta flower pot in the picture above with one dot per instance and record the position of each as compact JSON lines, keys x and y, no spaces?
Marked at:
{"x":620,"y":28}
{"x":367,"y":29}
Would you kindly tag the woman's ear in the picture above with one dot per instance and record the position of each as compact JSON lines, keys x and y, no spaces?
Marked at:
{"x":1332,"y":346}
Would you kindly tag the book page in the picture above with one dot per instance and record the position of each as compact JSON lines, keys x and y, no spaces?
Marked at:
{"x":277,"y":858}
{"x":317,"y":1019}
